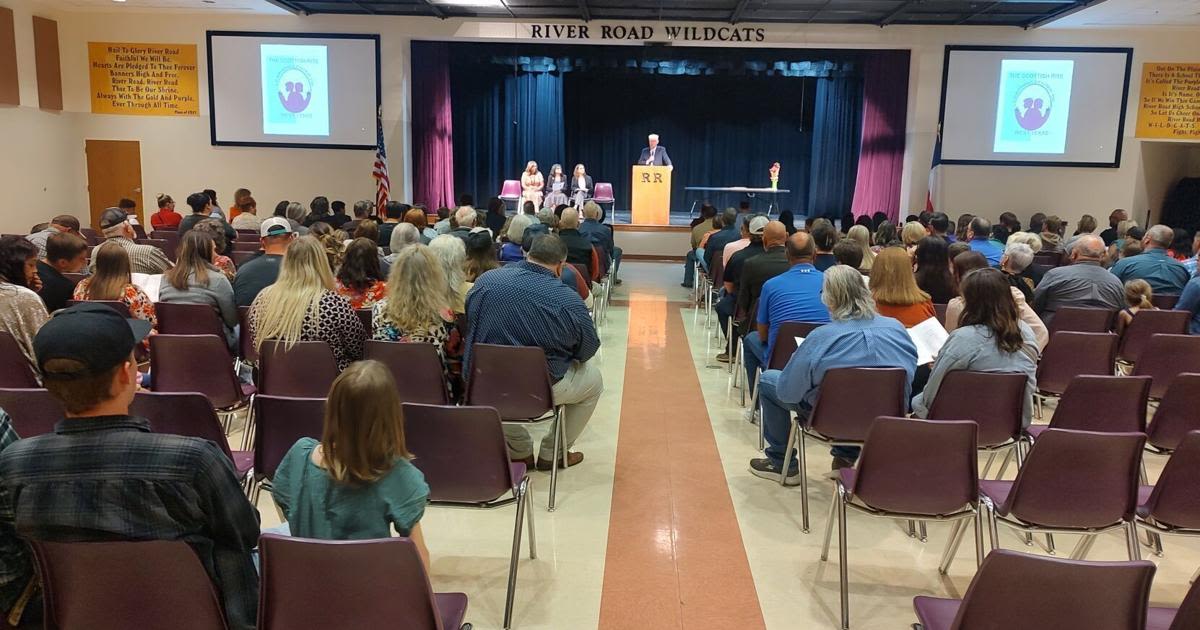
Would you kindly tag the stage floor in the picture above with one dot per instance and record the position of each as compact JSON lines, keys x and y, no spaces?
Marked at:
{"x":683,"y":219}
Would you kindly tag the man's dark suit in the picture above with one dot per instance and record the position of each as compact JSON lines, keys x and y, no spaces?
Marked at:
{"x":755,"y":274}
{"x":660,"y":156}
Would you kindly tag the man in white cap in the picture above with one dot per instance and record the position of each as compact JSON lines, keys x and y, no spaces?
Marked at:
{"x":260,"y":272}
{"x":654,"y":155}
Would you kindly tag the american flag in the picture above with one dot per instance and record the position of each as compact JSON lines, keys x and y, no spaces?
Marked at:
{"x":380,"y":170}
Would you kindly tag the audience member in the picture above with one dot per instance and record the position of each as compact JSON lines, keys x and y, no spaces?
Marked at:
{"x":525,"y":304}
{"x":495,"y":217}
{"x":61,"y":224}
{"x":847,"y":252}
{"x":912,"y":234}
{"x":1037,"y":222}
{"x":1127,"y":230}
{"x":1112,"y":233}
{"x":1017,"y":257}
{"x":1084,"y":283}
{"x":65,"y":253}
{"x":824,"y":237}
{"x":235,"y":210}
{"x":1010,"y":221}
{"x":112,"y":281}
{"x":338,"y":218}
{"x":1165,"y":275}
{"x":103,"y":475}
{"x":1132,"y":246}
{"x":980,"y":233}
{"x":362,"y":212}
{"x":403,"y":236}
{"x":216,"y":232}
{"x":702,"y":226}
{"x":725,"y":234}
{"x":895,"y":290}
{"x":970,"y":261}
{"x":260,"y":272}
{"x":963,"y":227}
{"x":418,"y":306}
{"x":861,"y":235}
{"x":743,"y":241}
{"x":792,"y":296}
{"x":443,"y":224}
{"x":1189,"y":301}
{"x":1000,"y":234}
{"x":464,"y":221}
{"x":195,"y":280}
{"x":601,"y":235}
{"x":933,"y":276}
{"x":357,"y":482}
{"x":857,"y":337}
{"x":956,"y":248}
{"x":146,"y":259}
{"x":481,"y":253}
{"x":166,"y":218}
{"x":990,"y":338}
{"x":1137,"y":298}
{"x":359,"y":279}
{"x":1085,"y":227}
{"x":22,"y":312}
{"x":332,"y":241}
{"x":393,"y":214}
{"x":579,"y":247}
{"x":772,"y":262}
{"x":726,"y":307}
{"x":318,"y":211}
{"x":885,"y":236}
{"x":303,"y":306}
{"x":417,"y":218}
{"x":510,"y":249}
{"x":1051,"y":235}
{"x":939,"y":226}
{"x":203,"y":207}
{"x":452,"y":253}
{"x":247,"y":217}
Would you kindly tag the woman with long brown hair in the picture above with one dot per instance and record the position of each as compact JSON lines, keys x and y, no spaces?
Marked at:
{"x":360,"y":279}
{"x":356,"y":482}
{"x":967,"y":262}
{"x":895,"y":288}
{"x":195,"y":280}
{"x":933,"y":274}
{"x":990,"y":338}
{"x":112,"y":281}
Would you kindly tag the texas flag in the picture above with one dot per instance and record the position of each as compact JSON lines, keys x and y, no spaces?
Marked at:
{"x":934,"y":172}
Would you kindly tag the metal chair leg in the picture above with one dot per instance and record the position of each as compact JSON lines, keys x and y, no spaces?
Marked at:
{"x":842,"y":568}
{"x":956,"y":536}
{"x":993,"y":532}
{"x":787,"y":454}
{"x":1083,"y":547}
{"x":1004,"y":463}
{"x":978,"y":537}
{"x":554,"y":456}
{"x":1050,"y":543}
{"x":912,"y":528}
{"x":529,"y":518}
{"x":516,"y":554}
{"x":803,"y":461}
{"x":1131,"y":541}
{"x":829,"y":523}
{"x":924,"y":536}
{"x":987,"y":467}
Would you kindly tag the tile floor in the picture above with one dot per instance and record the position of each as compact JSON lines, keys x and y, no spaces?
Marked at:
{"x":664,"y":527}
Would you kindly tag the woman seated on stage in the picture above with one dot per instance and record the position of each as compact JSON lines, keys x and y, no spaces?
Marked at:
{"x":581,"y":186}
{"x":556,"y":187}
{"x":532,"y":184}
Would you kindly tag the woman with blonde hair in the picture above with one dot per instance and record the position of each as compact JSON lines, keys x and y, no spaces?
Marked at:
{"x":451,"y":251}
{"x":357,"y":482}
{"x":334,"y":242}
{"x":532,"y":184}
{"x":303,"y":305}
{"x":861,"y":235}
{"x":112,"y":281}
{"x":418,"y":308}
{"x":912,"y":234}
{"x":894,"y":287}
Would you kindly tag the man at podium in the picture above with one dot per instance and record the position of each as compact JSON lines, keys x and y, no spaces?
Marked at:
{"x":654,"y":155}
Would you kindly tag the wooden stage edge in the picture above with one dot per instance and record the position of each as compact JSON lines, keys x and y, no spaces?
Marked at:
{"x":625,"y":227}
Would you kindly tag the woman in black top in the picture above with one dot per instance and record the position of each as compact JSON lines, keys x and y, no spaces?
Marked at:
{"x":933,"y":269}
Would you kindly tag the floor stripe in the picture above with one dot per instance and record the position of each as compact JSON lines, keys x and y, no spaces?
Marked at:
{"x":675,"y":556}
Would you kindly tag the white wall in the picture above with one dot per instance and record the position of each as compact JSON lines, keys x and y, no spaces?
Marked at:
{"x":44,"y":163}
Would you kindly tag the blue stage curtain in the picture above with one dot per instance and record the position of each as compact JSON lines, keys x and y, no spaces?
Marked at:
{"x":501,"y":121}
{"x":837,"y":129}
{"x":719,"y":131}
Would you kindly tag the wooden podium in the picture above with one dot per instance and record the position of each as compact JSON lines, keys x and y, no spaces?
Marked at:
{"x":651,"y":195}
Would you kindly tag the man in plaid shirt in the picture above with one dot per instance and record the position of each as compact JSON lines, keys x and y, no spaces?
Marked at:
{"x":147,"y":259}
{"x":102,"y":475}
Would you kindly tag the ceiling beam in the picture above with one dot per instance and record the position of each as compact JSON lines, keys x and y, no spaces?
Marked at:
{"x":978,"y":13}
{"x":737,"y":11}
{"x":1075,"y":7}
{"x":364,"y":7}
{"x":584,"y":12}
{"x":812,"y":18}
{"x":435,"y":9}
{"x":289,"y":7}
{"x":891,"y":17}
{"x":504,"y":4}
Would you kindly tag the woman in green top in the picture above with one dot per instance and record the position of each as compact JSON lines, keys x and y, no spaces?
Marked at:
{"x":357,"y":480}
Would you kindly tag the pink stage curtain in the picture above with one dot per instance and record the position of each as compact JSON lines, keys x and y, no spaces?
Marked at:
{"x":881,"y":157}
{"x":433,"y":138}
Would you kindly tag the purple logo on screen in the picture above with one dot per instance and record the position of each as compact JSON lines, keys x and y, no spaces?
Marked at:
{"x":1033,"y":106}
{"x":295,"y":89}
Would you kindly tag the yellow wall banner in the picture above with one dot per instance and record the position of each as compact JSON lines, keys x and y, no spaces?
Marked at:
{"x":143,"y":79}
{"x":1170,"y":101}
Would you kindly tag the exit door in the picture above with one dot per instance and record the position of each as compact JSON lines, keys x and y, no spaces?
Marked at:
{"x":114,"y":170}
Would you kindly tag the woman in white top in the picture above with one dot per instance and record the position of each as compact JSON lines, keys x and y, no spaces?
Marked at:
{"x":581,"y":186}
{"x":532,"y":184}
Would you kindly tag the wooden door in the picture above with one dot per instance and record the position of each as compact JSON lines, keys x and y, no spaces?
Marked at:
{"x":114,"y":170}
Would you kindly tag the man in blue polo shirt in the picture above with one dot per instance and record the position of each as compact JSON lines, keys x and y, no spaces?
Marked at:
{"x":1165,"y":275}
{"x":793,"y":296}
{"x":980,"y":235}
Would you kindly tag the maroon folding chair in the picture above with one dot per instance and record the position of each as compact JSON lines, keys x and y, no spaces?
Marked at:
{"x":15,"y":371}
{"x":1146,"y":324}
{"x":241,"y":257}
{"x":153,"y":242}
{"x":1070,"y":354}
{"x":191,"y":415}
{"x":1073,"y":482}
{"x":247,"y":246}
{"x":1107,"y":404}
{"x":1172,"y":506}
{"x":1016,"y":590}
{"x":201,"y":363}
{"x":785,"y":346}
{"x":364,"y":315}
{"x":361,"y":584}
{"x":516,"y":382}
{"x":305,"y":370}
{"x":280,"y":421}
{"x":1164,"y":302}
{"x":188,"y":319}
{"x":121,"y":585}
{"x":416,"y":367}
{"x":1186,"y":617}
{"x":1081,"y":319}
{"x":33,"y":410}
{"x":1177,"y":414}
{"x":461,"y":452}
{"x":939,"y":310}
{"x":1165,"y":357}
{"x":909,"y":469}
{"x":996,"y":403}
{"x":171,"y":242}
{"x":119,"y":307}
{"x":246,"y":351}
{"x":842,"y":415}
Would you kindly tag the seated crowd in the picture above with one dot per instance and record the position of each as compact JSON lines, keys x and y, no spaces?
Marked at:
{"x":82,"y":316}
